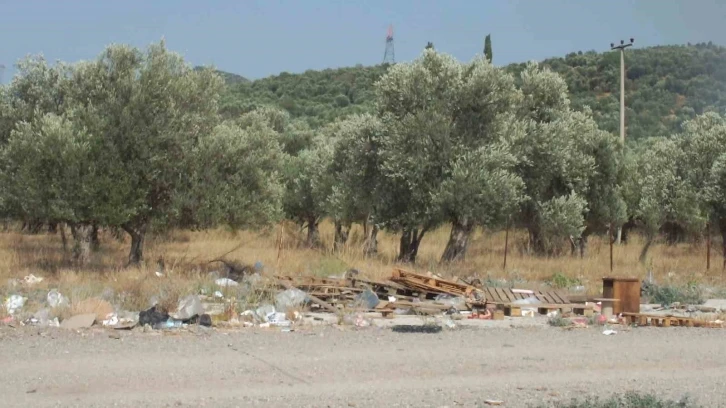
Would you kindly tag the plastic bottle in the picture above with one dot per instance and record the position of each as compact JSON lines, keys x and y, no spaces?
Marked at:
{"x":169,"y":324}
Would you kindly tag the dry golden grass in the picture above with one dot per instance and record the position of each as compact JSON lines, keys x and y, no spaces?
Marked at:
{"x":187,"y":254}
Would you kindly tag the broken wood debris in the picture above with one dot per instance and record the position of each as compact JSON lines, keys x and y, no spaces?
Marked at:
{"x":428,"y":294}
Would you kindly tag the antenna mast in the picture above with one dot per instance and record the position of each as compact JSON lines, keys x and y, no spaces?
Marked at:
{"x":388,"y":56}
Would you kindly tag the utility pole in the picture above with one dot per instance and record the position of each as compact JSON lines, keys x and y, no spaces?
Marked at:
{"x":622,"y":48}
{"x":2,"y":71}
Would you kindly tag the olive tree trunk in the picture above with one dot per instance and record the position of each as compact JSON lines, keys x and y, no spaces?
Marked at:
{"x":649,"y":238}
{"x":82,"y":243}
{"x":410,"y":241}
{"x":458,"y":240}
{"x":137,"y":234}
{"x":370,"y":246}
{"x":95,"y":242}
{"x":341,"y":235}
{"x":313,"y":238}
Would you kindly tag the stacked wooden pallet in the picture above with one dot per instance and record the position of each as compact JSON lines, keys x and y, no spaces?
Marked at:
{"x":643,"y":319}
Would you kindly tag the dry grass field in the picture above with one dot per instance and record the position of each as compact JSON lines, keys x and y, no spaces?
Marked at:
{"x":187,"y":254}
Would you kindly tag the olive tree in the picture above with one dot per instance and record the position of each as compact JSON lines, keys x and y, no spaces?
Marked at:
{"x":703,"y":143}
{"x":568,"y":165}
{"x":445,"y":156}
{"x":55,"y":170}
{"x":149,"y":109}
{"x":37,"y":88}
{"x":234,"y":178}
{"x":663,"y":194}
{"x":355,"y":172}
{"x":308,"y":184}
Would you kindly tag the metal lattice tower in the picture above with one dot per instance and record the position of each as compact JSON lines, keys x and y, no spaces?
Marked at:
{"x":389,"y":56}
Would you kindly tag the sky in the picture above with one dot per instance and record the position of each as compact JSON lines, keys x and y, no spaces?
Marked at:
{"x":259,"y":38}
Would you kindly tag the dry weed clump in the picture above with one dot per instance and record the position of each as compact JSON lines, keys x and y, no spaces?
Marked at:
{"x":183,"y":258}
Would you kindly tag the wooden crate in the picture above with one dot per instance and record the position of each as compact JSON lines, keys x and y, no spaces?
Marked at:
{"x":626,"y":290}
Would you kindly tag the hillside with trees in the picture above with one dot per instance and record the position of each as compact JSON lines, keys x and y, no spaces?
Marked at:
{"x":665,"y":85}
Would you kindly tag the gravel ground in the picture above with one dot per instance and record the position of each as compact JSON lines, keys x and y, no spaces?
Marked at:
{"x":344,"y":367}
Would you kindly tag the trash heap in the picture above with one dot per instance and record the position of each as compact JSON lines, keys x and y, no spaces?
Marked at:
{"x":406,"y":292}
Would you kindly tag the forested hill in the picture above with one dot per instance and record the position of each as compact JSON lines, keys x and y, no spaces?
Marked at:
{"x":664,"y":86}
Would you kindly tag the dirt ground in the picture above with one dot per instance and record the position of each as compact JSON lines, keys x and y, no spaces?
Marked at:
{"x":347,"y":367}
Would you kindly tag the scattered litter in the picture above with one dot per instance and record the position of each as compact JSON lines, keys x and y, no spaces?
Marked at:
{"x":32,"y":280}
{"x":493,"y":402}
{"x":290,"y":298}
{"x":278,"y":319}
{"x":169,"y":324}
{"x":609,"y":332}
{"x":152,"y":316}
{"x":79,"y":321}
{"x":486,"y":315}
{"x":159,"y":274}
{"x":218,"y":294}
{"x":205,"y":320}
{"x":367,"y":299}
{"x":357,"y":320}
{"x":111,"y":320}
{"x":226,"y":282}
{"x":264,"y":311}
{"x":448,"y":323}
{"x":456,"y":302}
{"x":56,"y":299}
{"x":188,"y":308}
{"x":14,"y":303}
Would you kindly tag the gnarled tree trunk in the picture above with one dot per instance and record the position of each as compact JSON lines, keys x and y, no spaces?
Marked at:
{"x":649,"y":238}
{"x":458,"y":240}
{"x":536,"y":241}
{"x":370,"y":246}
{"x":313,"y":239}
{"x":341,"y":236}
{"x":722,"y":229}
{"x":138,"y":234}
{"x":95,"y":242}
{"x":410,"y":241}
{"x":82,"y":243}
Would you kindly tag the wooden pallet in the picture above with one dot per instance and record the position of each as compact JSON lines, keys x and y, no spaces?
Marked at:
{"x":642,"y":319}
{"x":506,"y":295}
{"x":433,"y":285}
{"x":515,"y":310}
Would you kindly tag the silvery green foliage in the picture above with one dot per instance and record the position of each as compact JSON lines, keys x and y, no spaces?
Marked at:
{"x":37,"y":88}
{"x":715,"y":192}
{"x":664,"y":194}
{"x":236,"y":176}
{"x":51,"y":171}
{"x":568,"y":165}
{"x":703,"y":142}
{"x":150,"y":109}
{"x":445,"y":155}
{"x":308,"y":182}
{"x":560,"y":217}
{"x":354,"y":167}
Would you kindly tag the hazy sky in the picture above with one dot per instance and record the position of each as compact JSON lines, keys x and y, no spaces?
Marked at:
{"x":257,"y":38}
